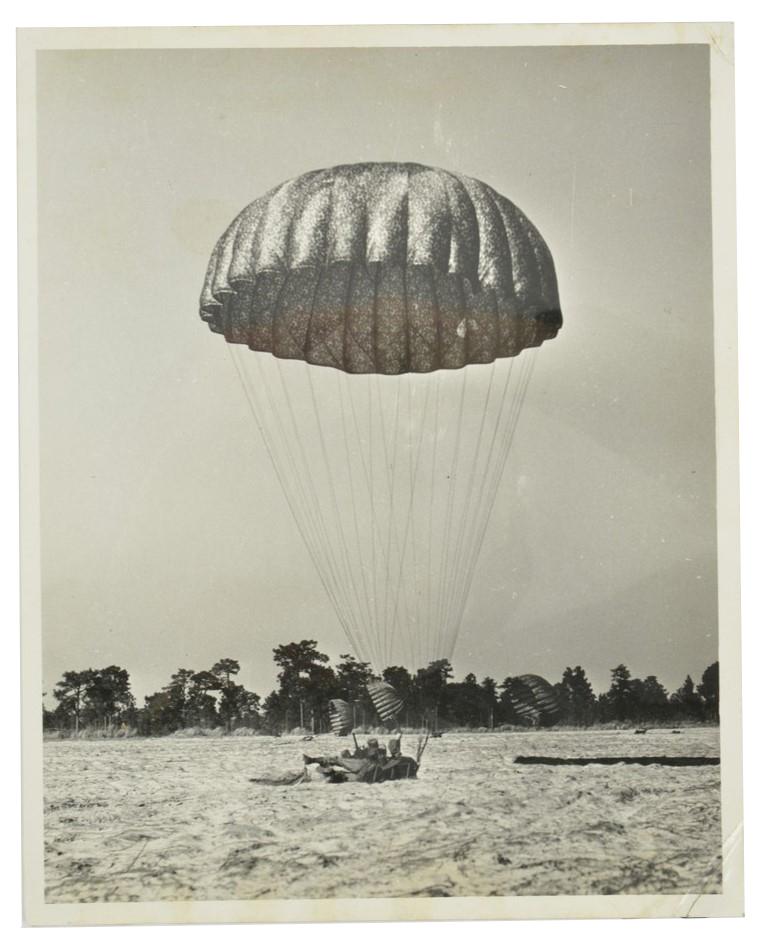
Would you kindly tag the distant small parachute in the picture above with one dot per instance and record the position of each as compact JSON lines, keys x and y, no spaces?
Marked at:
{"x":387,"y":702}
{"x":340,"y":717}
{"x":534,"y":701}
{"x":395,"y":275}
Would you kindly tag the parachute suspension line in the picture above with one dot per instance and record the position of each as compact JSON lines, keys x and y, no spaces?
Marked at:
{"x":401,"y":590}
{"x":445,"y":549}
{"x":501,"y":442}
{"x":301,"y":519}
{"x":350,"y":581}
{"x":312,"y":504}
{"x":290,"y":475}
{"x":359,"y":553}
{"x":382,"y":487}
{"x":475,"y":470}
{"x":378,"y":519}
{"x":378,"y":447}
{"x":389,"y":465}
{"x":392,"y":517}
{"x":302,"y":476}
{"x":433,"y":468}
{"x":523,"y":381}
{"x":469,"y":522}
{"x":497,"y":437}
{"x":370,"y":489}
{"x":481,"y":513}
{"x":374,"y":522}
{"x":395,"y":587}
{"x":412,"y":512}
{"x":308,"y":539}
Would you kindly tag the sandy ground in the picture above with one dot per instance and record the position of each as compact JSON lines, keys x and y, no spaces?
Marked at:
{"x":171,"y":818}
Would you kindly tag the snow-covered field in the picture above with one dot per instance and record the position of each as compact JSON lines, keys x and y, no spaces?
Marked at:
{"x":177,"y":818}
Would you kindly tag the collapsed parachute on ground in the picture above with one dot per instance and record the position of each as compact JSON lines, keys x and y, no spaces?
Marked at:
{"x":387,"y":702}
{"x":534,"y":701}
{"x":395,"y":275}
{"x":340,"y":717}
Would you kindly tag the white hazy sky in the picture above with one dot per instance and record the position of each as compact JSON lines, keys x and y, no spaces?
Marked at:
{"x":165,"y":538}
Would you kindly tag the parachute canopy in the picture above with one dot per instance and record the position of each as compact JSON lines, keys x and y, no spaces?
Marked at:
{"x":385,"y":699}
{"x":340,"y":716}
{"x":383,"y":268}
{"x":534,"y":701}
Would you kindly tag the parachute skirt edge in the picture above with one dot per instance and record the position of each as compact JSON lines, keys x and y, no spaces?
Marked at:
{"x":379,"y":319}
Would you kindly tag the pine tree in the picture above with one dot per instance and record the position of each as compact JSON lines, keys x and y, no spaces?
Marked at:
{"x":708,"y":689}
{"x":622,"y":700}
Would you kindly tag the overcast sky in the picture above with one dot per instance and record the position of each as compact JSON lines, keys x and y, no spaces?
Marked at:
{"x":166,"y":541}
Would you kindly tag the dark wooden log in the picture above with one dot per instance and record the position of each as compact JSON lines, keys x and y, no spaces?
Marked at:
{"x":608,"y":761}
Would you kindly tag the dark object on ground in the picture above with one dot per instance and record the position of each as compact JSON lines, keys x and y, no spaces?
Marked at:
{"x":437,"y":734}
{"x":308,"y":737}
{"x":286,"y":780}
{"x":645,"y":761}
{"x":397,"y":768}
{"x":356,"y":770}
{"x":641,"y":730}
{"x":676,"y":731}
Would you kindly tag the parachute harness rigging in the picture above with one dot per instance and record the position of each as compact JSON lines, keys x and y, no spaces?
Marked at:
{"x":355,"y":485}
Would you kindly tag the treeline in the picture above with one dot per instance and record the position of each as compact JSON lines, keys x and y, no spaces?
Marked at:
{"x":101,"y":701}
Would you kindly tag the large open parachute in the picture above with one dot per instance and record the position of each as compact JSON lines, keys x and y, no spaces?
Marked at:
{"x":396,"y":275}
